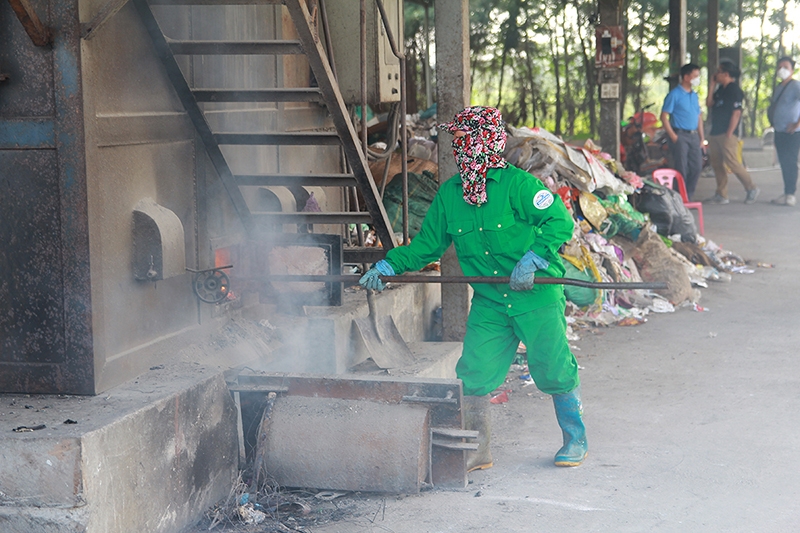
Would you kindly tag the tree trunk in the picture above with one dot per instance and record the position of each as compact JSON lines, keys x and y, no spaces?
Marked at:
{"x":557,"y":72}
{"x":591,"y":80}
{"x":569,"y":100}
{"x":781,"y":30}
{"x":642,"y":19}
{"x":502,"y":72}
{"x":623,"y":95}
{"x":761,"y":46}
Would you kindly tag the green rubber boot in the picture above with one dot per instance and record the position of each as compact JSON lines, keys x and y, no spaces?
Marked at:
{"x":478,"y":417}
{"x":569,"y":410}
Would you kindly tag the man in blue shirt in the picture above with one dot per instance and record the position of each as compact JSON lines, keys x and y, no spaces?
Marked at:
{"x":683,"y":122}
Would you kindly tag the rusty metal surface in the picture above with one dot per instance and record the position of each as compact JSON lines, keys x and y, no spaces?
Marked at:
{"x":276,"y":254}
{"x":443,"y":398}
{"x":31,"y":297}
{"x":39,"y":34}
{"x":45,"y":312}
{"x":363,"y":254}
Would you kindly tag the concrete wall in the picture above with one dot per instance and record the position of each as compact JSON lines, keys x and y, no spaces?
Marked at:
{"x":152,"y":455}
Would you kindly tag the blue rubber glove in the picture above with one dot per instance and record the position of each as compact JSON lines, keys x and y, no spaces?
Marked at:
{"x":522,"y":277}
{"x":372,"y":280}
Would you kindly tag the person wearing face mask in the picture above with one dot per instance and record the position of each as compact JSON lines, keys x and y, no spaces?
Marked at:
{"x":784,"y":115}
{"x":683,"y":122}
{"x":725,"y":105}
{"x":503,"y":221}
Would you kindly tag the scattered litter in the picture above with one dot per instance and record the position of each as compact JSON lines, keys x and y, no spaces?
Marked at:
{"x":264,"y":323}
{"x":27,"y":429}
{"x":249,"y":515}
{"x":631,"y":321}
{"x":525,"y":377}
{"x":70,"y":421}
{"x":661,"y":305}
{"x":742,"y":270}
{"x":765,"y":265}
{"x":699,"y":308}
{"x":501,"y":398}
{"x":328,"y":495}
{"x":711,"y":334}
{"x":157,"y":367}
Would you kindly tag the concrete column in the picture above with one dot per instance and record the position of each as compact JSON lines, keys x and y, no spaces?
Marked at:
{"x":610,"y":15}
{"x":712,"y":44}
{"x":677,"y":39}
{"x":451,"y":19}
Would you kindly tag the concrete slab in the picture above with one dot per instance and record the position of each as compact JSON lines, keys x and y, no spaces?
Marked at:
{"x":151,"y":455}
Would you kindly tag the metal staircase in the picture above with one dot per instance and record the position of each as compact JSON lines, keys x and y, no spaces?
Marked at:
{"x":327,"y":93}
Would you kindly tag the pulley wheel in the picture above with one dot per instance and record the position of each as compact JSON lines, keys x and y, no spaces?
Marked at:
{"x":212,"y":286}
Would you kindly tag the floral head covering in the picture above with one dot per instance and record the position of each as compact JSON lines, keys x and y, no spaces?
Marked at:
{"x":478,"y":150}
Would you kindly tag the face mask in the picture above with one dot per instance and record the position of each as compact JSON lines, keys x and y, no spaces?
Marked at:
{"x":784,"y":73}
{"x":695,"y":82}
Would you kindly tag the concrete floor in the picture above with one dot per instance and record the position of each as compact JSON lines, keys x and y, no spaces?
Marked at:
{"x":692,"y":417}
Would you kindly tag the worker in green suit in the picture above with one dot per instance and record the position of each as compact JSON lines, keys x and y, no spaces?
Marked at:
{"x":503,"y":221}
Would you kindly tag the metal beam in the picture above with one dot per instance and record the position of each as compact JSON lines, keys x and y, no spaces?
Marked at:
{"x":348,"y":217}
{"x":303,"y":94}
{"x":279,"y":138}
{"x":277,"y":47}
{"x":287,"y":180}
{"x":37,"y":31}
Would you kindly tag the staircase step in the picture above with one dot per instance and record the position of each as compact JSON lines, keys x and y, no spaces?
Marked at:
{"x":303,"y":94}
{"x":314,"y":180}
{"x":361,"y":217}
{"x":234,"y":47}
{"x":363,"y":254}
{"x":302,"y":138}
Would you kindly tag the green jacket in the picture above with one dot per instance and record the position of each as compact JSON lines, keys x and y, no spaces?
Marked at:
{"x":491,"y":238}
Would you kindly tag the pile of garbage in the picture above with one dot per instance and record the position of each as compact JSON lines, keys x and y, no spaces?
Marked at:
{"x":627,"y":228}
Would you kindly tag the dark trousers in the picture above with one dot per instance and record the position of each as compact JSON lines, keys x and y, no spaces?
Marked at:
{"x":687,"y":158}
{"x":787,"y":145}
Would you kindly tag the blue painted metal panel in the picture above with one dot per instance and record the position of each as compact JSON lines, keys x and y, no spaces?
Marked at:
{"x":27,"y":134}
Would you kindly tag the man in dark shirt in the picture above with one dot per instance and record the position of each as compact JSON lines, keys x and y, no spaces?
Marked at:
{"x":725,"y":105}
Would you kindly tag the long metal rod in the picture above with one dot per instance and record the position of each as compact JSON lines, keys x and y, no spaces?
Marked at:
{"x":345,"y":278}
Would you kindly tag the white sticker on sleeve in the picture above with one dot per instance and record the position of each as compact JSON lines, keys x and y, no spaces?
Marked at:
{"x":543,"y":199}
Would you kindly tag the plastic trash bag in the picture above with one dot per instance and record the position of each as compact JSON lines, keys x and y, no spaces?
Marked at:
{"x":667,"y":211}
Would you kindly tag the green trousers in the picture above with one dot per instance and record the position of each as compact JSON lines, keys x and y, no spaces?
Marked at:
{"x":491,"y":341}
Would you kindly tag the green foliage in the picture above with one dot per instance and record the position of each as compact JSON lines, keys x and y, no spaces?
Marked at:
{"x":535,"y":59}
